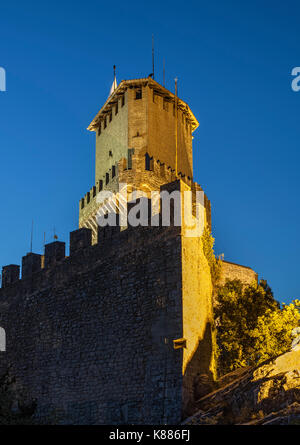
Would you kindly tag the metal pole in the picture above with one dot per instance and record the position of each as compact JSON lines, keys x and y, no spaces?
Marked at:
{"x":153,"y":55}
{"x":176,"y":127}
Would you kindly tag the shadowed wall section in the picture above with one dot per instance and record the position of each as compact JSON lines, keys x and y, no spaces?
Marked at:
{"x":92,"y":337}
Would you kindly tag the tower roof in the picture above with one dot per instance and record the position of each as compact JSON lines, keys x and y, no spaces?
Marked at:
{"x":159,"y":89}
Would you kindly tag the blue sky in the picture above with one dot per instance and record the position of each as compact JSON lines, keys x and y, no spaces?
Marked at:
{"x":233,"y":60}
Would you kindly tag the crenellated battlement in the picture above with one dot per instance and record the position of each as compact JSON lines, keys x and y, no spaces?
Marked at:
{"x":129,"y":168}
{"x":59,"y":269}
{"x":152,"y":222}
{"x":142,"y":174}
{"x":81,"y":239}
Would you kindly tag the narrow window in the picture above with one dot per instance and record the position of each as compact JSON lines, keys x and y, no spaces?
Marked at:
{"x":138,"y":94}
{"x":82,"y":203}
{"x":179,"y":343}
{"x":129,"y":162}
{"x":88,"y":198}
{"x":100,"y":185}
{"x":99,"y":129}
{"x":110,"y":117}
{"x":107,"y":178}
{"x":148,"y":162}
{"x":94,"y":191}
{"x":123,"y":100}
{"x":105,"y":122}
{"x":110,"y":154}
{"x":117,"y":108}
{"x":113,"y":174}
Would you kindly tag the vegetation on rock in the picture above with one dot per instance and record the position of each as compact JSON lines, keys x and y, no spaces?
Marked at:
{"x":251,"y":326}
{"x":265,"y":395}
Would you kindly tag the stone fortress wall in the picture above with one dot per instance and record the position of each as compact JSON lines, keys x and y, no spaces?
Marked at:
{"x":233,"y":271}
{"x":121,"y":330}
{"x":93,"y":336}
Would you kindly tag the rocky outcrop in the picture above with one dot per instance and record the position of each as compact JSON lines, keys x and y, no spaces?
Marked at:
{"x":266,"y":395}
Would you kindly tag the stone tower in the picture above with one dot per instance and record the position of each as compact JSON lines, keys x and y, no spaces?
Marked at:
{"x":144,"y":140}
{"x":121,"y":330}
{"x":136,"y":135}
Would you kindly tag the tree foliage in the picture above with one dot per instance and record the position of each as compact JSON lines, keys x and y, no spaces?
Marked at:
{"x":273,"y":331}
{"x":208,"y":249}
{"x":251,"y":326}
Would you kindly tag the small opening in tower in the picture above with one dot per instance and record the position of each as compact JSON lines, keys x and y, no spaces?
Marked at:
{"x":117,"y":108}
{"x":179,"y":343}
{"x":107,"y":178}
{"x":113,"y":173}
{"x":138,"y":93}
{"x":105,"y":122}
{"x":110,"y":154}
{"x":123,"y":100}
{"x":110,"y":117}
{"x":130,"y":154}
{"x":99,"y":129}
{"x":148,"y":162}
{"x":100,"y":185}
{"x":82,"y":203}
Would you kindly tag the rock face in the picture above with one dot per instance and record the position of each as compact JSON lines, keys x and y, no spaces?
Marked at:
{"x":266,"y":395}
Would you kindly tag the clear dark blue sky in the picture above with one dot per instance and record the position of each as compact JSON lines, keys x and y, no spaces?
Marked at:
{"x":233,"y":60}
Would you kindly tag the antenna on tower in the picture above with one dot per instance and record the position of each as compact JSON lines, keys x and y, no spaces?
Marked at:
{"x":176,"y":126}
{"x":153,"y":55}
{"x":114,"y":85}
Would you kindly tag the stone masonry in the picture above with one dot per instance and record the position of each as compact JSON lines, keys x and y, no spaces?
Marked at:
{"x":95,"y":342}
{"x":119,"y":331}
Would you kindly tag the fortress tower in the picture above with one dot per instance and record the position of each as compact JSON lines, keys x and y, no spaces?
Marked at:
{"x":140,"y":116}
{"x":121,"y":331}
{"x":144,"y":139}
